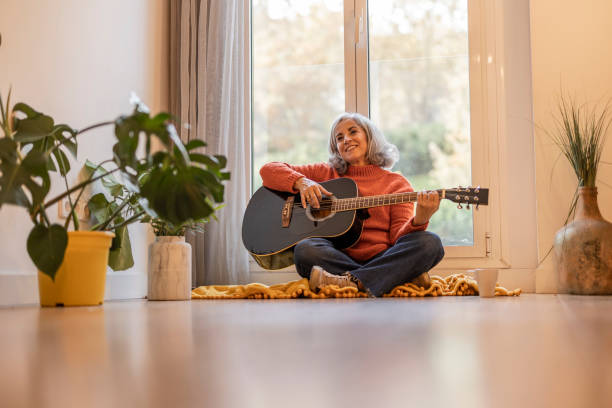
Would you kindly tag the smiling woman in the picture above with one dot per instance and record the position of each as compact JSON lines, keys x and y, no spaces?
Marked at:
{"x":394,"y":247}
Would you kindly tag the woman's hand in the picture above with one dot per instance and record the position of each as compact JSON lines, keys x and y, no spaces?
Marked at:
{"x":428,"y":203}
{"x":310,"y":191}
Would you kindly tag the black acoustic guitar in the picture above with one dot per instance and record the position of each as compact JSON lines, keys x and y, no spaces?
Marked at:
{"x":275,"y":221}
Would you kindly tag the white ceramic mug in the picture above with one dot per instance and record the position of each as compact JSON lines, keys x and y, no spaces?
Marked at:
{"x":486,"y":279}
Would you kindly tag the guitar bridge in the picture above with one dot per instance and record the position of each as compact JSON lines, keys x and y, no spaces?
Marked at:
{"x":287,"y":211}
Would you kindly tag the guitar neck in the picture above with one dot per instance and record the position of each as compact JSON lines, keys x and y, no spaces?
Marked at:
{"x":348,"y":204}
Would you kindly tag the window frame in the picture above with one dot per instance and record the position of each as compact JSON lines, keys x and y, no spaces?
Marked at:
{"x":486,"y":118}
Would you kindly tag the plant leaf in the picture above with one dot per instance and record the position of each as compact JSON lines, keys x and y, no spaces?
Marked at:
{"x":180,"y":196}
{"x":33,"y":127}
{"x":153,"y":124}
{"x":194,"y":144}
{"x":120,"y":255}
{"x":158,"y":158}
{"x":90,"y":168}
{"x":115,"y":189}
{"x":34,"y":166}
{"x":46,"y":247}
{"x":99,"y":207}
{"x":127,"y":132}
{"x":222,"y":160}
{"x":30,"y":174}
{"x":62,"y":161}
{"x":59,"y":133}
{"x":205,"y":159}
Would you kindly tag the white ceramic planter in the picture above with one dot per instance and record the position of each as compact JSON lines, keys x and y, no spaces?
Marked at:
{"x":169,"y":269}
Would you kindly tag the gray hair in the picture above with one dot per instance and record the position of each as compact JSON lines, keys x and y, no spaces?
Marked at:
{"x":380,"y":152}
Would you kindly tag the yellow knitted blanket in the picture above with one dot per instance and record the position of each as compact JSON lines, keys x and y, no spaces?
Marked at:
{"x":453,"y":285}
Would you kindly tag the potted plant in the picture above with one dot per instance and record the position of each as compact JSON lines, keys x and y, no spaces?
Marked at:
{"x":32,"y":147}
{"x":583,"y":247}
{"x":169,"y":263}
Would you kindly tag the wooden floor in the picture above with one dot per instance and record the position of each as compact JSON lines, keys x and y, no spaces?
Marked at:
{"x":534,"y":350}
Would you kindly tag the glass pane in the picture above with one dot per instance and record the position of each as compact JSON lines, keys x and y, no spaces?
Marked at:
{"x":419,"y":96}
{"x":298,"y":79}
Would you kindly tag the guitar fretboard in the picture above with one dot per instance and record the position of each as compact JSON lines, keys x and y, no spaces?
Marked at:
{"x":348,"y":204}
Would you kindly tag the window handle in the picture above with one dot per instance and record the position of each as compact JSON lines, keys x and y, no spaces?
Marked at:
{"x":360,"y":30}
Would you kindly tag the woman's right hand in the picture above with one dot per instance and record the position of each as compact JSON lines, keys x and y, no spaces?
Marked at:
{"x":310,"y":191}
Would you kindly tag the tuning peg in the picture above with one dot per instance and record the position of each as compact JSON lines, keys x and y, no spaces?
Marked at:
{"x":477,"y":206}
{"x":467,"y":207}
{"x":459,"y":206}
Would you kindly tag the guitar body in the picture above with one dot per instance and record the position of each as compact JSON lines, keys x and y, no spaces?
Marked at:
{"x":271,"y":244}
{"x":274,"y":221}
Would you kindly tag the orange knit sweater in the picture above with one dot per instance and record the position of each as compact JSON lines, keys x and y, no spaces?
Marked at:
{"x":385,"y":225}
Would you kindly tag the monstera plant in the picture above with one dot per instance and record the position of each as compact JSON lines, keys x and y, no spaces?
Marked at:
{"x":174,"y":183}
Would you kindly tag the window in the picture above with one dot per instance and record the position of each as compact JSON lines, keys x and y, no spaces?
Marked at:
{"x":298,"y":79}
{"x":405,"y":63}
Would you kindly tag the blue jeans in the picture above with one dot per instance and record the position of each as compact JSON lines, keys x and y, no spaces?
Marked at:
{"x":412,"y":254}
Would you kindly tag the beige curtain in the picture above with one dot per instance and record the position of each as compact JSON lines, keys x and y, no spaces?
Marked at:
{"x":209,"y":91}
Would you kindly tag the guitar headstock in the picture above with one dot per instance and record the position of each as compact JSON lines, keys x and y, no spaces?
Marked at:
{"x":468,"y":195}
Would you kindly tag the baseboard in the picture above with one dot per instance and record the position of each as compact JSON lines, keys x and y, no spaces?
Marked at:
{"x":18,"y":289}
{"x":508,"y":278}
{"x":22,"y":289}
{"x":125,"y":285}
{"x":546,"y":279}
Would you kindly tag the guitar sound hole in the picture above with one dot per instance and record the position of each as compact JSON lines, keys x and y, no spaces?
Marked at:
{"x":319,"y":214}
{"x":322,"y":213}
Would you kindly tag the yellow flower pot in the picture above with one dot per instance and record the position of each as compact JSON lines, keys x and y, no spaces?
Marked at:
{"x":81,"y":278}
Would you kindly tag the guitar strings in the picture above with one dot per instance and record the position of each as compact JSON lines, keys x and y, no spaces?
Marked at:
{"x":330,"y":205}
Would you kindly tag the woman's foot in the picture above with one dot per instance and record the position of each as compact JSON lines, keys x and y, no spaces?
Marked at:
{"x":423,"y":280}
{"x":319,"y":277}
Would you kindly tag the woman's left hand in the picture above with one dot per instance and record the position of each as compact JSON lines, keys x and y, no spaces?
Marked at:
{"x":428,"y":203}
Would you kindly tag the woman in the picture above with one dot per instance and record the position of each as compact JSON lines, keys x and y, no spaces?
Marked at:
{"x":394,"y":247}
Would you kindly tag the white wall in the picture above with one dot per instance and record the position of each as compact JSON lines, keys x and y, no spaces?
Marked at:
{"x":78,"y":61}
{"x":571,"y":47}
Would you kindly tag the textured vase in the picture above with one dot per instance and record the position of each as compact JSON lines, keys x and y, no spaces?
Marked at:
{"x":583,"y":250}
{"x":169,"y":269}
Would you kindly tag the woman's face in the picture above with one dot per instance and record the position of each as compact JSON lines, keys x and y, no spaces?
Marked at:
{"x":352,"y":142}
